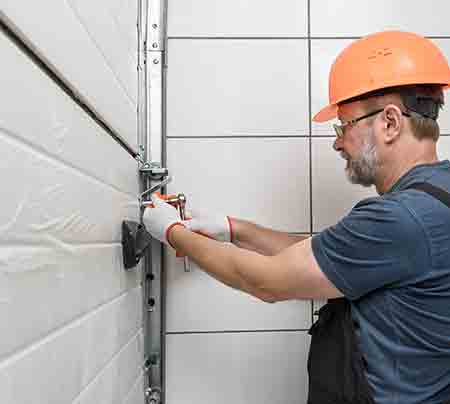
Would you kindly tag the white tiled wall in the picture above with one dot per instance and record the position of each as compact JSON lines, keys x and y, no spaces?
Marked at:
{"x":70,"y":315}
{"x":244,"y":78}
{"x":356,"y":18}
{"x":237,"y":18}
{"x":261,"y":368}
{"x":239,"y":79}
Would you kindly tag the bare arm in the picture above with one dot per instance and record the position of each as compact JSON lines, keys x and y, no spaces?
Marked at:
{"x":291,"y":274}
{"x":265,"y":241}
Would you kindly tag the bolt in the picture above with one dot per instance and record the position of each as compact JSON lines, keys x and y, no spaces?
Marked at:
{"x":155,"y":61}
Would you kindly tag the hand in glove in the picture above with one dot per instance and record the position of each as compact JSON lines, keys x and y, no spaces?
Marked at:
{"x":217,"y":226}
{"x":160,"y":219}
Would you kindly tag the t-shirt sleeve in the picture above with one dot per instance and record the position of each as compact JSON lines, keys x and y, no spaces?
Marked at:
{"x":378,"y":244}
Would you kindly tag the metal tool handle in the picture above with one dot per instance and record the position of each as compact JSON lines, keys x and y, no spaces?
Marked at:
{"x":182,"y":207}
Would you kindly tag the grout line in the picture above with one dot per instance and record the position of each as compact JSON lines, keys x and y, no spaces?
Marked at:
{"x":234,"y":37}
{"x":313,"y":136}
{"x":241,"y":137}
{"x":23,"y":351}
{"x":292,"y":37}
{"x":310,"y":116}
{"x":311,"y":219}
{"x":237,"y":331}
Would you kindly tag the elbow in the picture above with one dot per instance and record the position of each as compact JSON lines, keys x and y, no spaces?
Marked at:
{"x":269,"y":299}
{"x":267,"y":296}
{"x":266,"y":299}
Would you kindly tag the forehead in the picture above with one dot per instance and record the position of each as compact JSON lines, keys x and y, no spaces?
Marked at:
{"x":351,"y":110}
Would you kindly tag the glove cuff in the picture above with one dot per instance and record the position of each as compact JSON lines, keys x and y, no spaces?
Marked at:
{"x":169,"y":229}
{"x":231,"y":228}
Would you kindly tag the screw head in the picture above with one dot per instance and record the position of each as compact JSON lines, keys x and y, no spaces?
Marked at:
{"x":155,"y":61}
{"x":154,"y":45}
{"x":154,"y":26}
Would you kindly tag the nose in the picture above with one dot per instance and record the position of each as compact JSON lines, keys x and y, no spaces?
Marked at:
{"x":337,"y":144}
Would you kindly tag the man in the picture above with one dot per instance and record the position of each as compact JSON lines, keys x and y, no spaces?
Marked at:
{"x":390,"y":256}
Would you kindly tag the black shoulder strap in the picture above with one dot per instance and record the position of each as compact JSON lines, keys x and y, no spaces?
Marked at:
{"x":432,"y":190}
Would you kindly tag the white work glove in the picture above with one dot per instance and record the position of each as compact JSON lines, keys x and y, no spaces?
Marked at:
{"x":216,"y":226}
{"x":160,"y":219}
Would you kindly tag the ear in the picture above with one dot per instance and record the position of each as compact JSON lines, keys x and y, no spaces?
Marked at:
{"x":392,"y":121}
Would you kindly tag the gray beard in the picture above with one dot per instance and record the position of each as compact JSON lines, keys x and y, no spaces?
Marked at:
{"x":362,"y":170}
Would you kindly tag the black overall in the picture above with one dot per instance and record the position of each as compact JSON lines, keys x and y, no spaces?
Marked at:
{"x":336,"y":366}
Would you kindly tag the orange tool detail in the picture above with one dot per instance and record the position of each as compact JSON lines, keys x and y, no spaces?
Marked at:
{"x":382,"y":60}
{"x":179,"y":202}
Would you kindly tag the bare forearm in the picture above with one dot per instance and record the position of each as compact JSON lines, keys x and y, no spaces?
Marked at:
{"x":233,"y":266}
{"x":260,"y":239}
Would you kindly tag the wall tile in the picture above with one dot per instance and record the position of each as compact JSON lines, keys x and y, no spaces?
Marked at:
{"x":236,"y":18}
{"x":444,"y":115}
{"x":356,"y":17}
{"x":323,"y":54}
{"x":263,"y":180}
{"x":226,"y":308}
{"x":245,"y":368}
{"x":237,"y":88}
{"x":443,"y":148}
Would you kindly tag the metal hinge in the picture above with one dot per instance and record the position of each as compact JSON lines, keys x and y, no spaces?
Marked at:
{"x":155,"y":38}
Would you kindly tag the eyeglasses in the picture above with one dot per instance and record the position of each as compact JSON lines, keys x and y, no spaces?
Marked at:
{"x":339,"y":129}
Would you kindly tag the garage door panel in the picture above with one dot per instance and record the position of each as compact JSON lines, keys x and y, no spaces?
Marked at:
{"x":64,"y":363}
{"x":80,"y":56}
{"x":42,"y":117}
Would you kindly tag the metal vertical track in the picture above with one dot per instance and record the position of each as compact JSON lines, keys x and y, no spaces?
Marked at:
{"x":151,"y":62}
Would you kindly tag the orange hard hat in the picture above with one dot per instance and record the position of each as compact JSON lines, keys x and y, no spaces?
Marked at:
{"x":382,"y":60}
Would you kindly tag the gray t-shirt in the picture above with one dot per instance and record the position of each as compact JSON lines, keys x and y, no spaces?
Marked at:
{"x":391,"y":257}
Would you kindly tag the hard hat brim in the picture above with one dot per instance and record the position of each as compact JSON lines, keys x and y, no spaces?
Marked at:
{"x":326,"y":114}
{"x":330,"y":111}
